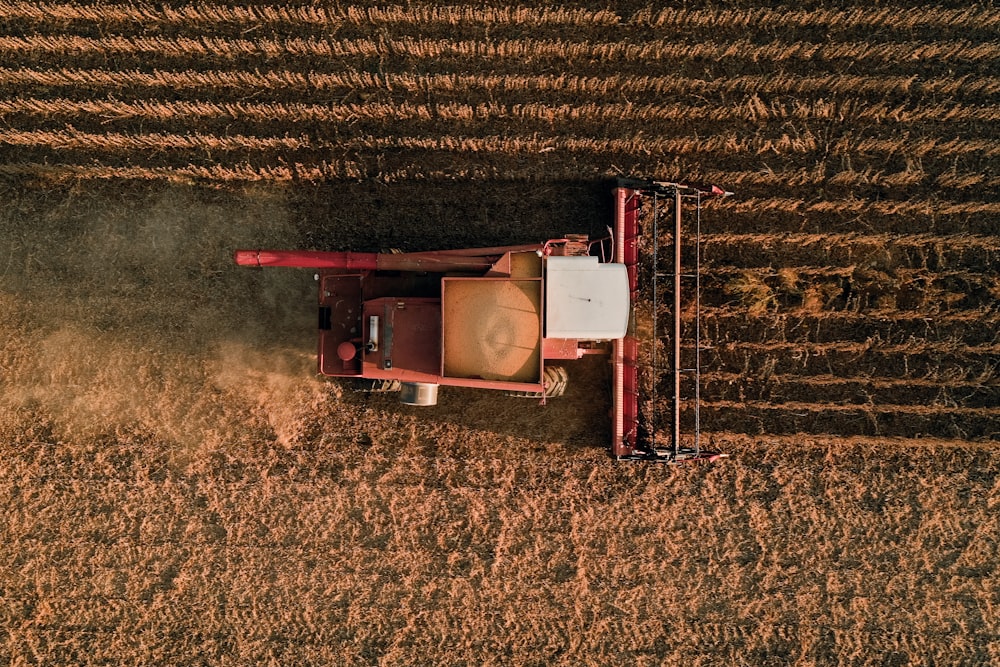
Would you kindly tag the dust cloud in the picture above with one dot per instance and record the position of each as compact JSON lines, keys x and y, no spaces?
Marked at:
{"x":127,"y":316}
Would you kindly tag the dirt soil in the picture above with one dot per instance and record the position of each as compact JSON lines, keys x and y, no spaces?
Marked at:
{"x":181,"y":489}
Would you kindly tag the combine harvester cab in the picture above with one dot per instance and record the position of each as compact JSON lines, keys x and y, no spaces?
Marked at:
{"x":506,"y":318}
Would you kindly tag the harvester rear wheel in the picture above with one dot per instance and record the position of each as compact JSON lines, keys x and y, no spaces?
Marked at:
{"x":376,"y":386}
{"x":555,"y":380}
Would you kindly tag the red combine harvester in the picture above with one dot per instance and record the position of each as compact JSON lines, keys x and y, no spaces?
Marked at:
{"x":507,"y":318}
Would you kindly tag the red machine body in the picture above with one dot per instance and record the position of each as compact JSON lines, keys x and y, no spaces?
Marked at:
{"x":493,"y":318}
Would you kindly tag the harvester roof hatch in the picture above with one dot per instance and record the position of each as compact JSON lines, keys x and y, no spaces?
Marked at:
{"x":585,"y":299}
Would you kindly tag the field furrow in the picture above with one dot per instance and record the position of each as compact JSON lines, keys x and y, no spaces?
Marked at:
{"x":779,"y":389}
{"x":955,"y":363}
{"x":890,"y":327}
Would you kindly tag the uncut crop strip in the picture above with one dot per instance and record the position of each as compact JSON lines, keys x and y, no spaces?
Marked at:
{"x":508,"y":146}
{"x":849,"y":391}
{"x":829,"y":19}
{"x":935,"y":244}
{"x":525,"y":50}
{"x":983,"y":18}
{"x":992,"y":382}
{"x":118,"y":142}
{"x":895,"y":252}
{"x":808,"y":272}
{"x":217,"y":173}
{"x":952,"y":362}
{"x":349,"y":79}
{"x":73,"y":139}
{"x":806,"y":348}
{"x":889,"y":409}
{"x":892,"y":420}
{"x":323,"y":18}
{"x":414,"y":169}
{"x":640,"y":145}
{"x":859,"y":206}
{"x":280,"y":112}
{"x":848,"y":178}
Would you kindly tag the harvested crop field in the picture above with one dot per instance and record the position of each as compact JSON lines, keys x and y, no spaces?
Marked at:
{"x":180,"y":489}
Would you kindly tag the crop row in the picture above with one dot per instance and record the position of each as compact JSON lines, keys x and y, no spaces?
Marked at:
{"x":893,"y":245}
{"x":761,"y":290}
{"x":638,"y":144}
{"x":829,"y":19}
{"x":525,"y":50}
{"x":797,"y":215}
{"x":157,"y":141}
{"x":792,"y":277}
{"x":327,"y":18}
{"x":938,"y":349}
{"x":668,"y":115}
{"x":349,"y":79}
{"x":874,"y":251}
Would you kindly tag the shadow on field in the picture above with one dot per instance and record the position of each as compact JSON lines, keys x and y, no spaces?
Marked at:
{"x":432,"y":216}
{"x":123,"y":309}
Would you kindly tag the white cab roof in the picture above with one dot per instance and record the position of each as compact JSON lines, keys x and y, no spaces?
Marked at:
{"x":585,"y":299}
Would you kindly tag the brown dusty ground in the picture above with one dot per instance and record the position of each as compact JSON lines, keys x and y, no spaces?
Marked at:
{"x":180,"y":490}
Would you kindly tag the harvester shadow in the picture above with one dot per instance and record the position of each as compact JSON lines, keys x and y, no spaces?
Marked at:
{"x":442,"y":216}
{"x":578,"y":420}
